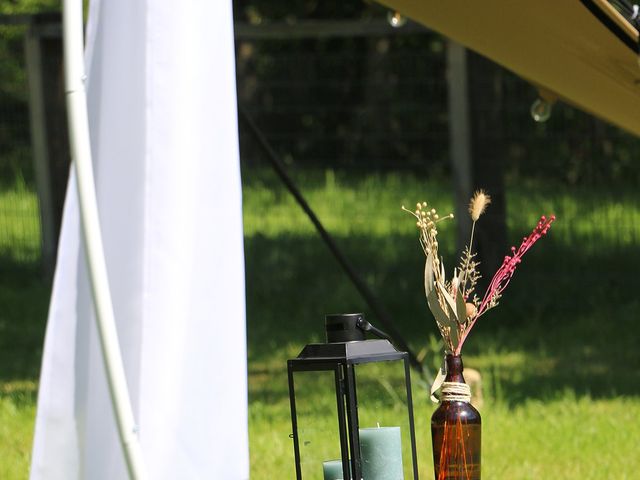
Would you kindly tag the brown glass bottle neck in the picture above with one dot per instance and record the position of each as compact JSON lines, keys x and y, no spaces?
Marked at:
{"x":454,"y":368}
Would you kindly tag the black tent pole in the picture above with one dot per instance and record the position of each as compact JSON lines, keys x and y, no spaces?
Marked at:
{"x":365,"y":291}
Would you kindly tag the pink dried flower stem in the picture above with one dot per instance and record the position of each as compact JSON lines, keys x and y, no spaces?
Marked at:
{"x":504,"y":274}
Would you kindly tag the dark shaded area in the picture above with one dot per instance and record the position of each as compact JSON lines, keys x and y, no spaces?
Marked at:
{"x":565,"y":307}
{"x":24,"y":298}
{"x":56,"y":116}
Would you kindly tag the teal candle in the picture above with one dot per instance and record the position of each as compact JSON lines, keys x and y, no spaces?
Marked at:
{"x":381,"y":453}
{"x":332,"y":470}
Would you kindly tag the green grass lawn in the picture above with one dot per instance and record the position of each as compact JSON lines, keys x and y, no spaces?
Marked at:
{"x":561,"y":372}
{"x":24,"y":297}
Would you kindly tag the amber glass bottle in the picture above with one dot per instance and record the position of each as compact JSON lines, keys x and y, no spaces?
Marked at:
{"x":455,"y":430}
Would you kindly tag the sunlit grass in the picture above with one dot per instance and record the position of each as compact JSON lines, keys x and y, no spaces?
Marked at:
{"x":346,"y":203}
{"x":558,"y":358}
{"x":569,"y":437}
{"x":19,"y":224}
{"x":16,"y":427}
{"x":556,"y":403}
{"x":370,"y":204}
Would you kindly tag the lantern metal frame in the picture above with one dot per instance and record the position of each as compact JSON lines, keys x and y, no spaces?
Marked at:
{"x":342,"y":358}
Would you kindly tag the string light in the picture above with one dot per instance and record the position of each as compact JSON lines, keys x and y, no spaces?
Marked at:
{"x":542,"y":107}
{"x":395,"y":19}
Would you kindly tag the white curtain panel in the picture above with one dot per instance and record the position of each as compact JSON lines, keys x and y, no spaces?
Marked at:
{"x":162,"y":109}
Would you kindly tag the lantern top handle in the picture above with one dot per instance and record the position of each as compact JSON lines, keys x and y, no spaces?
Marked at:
{"x":349,"y":327}
{"x":346,"y":343}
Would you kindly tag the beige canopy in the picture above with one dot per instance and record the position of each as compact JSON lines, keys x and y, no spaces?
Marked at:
{"x":583,"y":51}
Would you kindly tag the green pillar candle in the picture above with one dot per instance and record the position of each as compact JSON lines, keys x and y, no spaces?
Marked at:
{"x":381,"y":452}
{"x":332,"y":470}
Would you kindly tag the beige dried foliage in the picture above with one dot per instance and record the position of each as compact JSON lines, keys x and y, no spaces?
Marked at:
{"x":478,"y":204}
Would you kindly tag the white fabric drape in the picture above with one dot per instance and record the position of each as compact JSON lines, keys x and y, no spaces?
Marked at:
{"x":162,"y":109}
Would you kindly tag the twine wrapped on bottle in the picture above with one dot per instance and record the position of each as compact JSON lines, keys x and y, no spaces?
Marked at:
{"x":456,"y":392}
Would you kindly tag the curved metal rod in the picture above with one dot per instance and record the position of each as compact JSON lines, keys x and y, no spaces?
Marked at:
{"x":361,"y":286}
{"x":81,"y":158}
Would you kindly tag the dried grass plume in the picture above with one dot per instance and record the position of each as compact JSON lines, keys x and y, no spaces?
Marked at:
{"x":478,"y":204}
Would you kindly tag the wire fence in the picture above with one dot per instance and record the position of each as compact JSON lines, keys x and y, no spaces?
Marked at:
{"x":354,"y":103}
{"x":380,"y":102}
{"x":362,"y":98}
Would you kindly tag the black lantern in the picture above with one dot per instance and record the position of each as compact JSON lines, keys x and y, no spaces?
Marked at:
{"x":351,"y":407}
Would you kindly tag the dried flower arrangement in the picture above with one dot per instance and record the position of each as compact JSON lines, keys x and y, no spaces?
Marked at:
{"x":454,"y":303}
{"x":455,"y":425}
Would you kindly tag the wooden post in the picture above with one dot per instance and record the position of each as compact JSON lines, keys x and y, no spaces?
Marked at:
{"x":48,"y":123}
{"x":488,"y":151}
{"x":38,"y":124}
{"x":459,"y":138}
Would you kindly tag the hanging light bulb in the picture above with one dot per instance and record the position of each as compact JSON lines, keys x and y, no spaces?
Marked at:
{"x":543,"y":105}
{"x":541,"y":110}
{"x":395,"y":19}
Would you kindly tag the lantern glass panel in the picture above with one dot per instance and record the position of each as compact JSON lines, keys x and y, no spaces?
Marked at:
{"x":317,"y":418}
{"x":385,"y":435}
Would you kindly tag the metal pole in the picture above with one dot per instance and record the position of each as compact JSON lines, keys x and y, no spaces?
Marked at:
{"x":81,"y":157}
